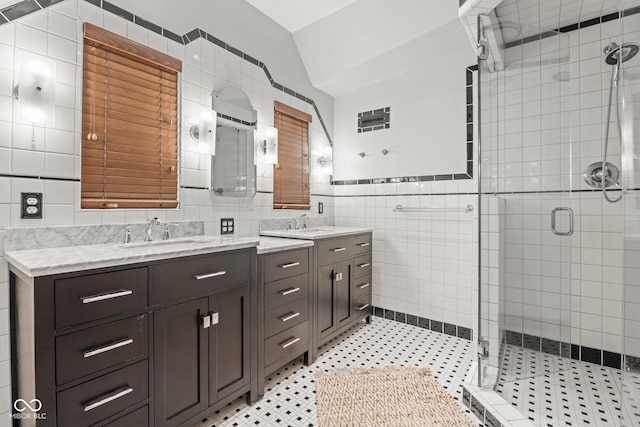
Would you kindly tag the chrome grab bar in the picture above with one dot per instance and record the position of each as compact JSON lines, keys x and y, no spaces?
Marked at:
{"x":108,"y":347}
{"x":290,"y":342}
{"x":108,"y":295}
{"x":290,"y":316}
{"x":291,"y":264}
{"x":209,"y":275}
{"x":288,"y":291}
{"x":553,"y":221}
{"x":110,"y":397}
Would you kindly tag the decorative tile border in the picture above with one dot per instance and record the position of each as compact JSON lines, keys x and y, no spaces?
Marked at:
{"x":20,"y":9}
{"x":443,"y":177}
{"x":425,"y":323}
{"x":573,"y":351}
{"x":478,"y":409}
{"x":374,"y":120}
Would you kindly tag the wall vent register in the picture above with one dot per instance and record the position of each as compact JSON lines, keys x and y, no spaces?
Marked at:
{"x":374,"y":120}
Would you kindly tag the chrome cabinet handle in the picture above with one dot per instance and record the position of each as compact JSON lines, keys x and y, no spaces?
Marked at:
{"x":109,"y":295}
{"x":362,"y":245}
{"x":338,"y":249}
{"x":362,"y":307}
{"x":209,"y":275}
{"x":290,"y":342}
{"x":363,"y":286}
{"x":290,"y":316}
{"x":553,"y":222}
{"x":291,"y":264}
{"x":366,"y":264}
{"x":108,"y":347}
{"x":288,"y":291}
{"x":109,"y":397}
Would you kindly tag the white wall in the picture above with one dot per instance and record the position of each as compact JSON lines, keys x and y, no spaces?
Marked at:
{"x":56,"y":33}
{"x":427,"y":134}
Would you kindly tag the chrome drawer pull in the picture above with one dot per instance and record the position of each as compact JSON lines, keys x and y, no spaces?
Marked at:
{"x":102,"y":297}
{"x":290,"y":342}
{"x":362,"y":245}
{"x":291,"y":264}
{"x":363,"y":285}
{"x":362,"y":307}
{"x":209,"y":275}
{"x":112,"y":346}
{"x":366,"y":264}
{"x":288,"y":291}
{"x":111,"y":396}
{"x":338,"y":249}
{"x":289,"y":317}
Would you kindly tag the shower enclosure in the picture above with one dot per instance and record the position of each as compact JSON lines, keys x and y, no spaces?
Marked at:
{"x":559,"y":258}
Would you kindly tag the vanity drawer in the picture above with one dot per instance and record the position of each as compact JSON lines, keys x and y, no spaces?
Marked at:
{"x":362,"y":244}
{"x":285,"y":264}
{"x":362,"y":266}
{"x":139,"y":417}
{"x":90,"y":350}
{"x":103,"y":397}
{"x":194,"y":276}
{"x":95,"y":296}
{"x":362,"y":306}
{"x":285,"y":316}
{"x":286,"y":343}
{"x":335,"y":249}
{"x":361,"y":286}
{"x":285,"y":291}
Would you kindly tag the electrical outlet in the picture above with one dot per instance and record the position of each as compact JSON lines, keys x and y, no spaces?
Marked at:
{"x":320,"y":208}
{"x":31,"y":206}
{"x":226,"y":226}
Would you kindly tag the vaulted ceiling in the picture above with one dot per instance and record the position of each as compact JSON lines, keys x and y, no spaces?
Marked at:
{"x":349,"y":44}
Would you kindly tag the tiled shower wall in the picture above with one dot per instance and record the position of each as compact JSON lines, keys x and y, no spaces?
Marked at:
{"x":543,"y":122}
{"x":54,"y":152}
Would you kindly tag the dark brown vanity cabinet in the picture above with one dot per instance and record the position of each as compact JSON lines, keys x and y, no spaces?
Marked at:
{"x":343,"y":284}
{"x":161,"y":343}
{"x":285,"y":307}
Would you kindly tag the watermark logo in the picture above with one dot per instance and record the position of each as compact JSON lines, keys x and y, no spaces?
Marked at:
{"x":28,"y":410}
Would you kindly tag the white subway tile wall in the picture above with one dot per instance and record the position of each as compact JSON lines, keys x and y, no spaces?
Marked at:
{"x":54,"y":151}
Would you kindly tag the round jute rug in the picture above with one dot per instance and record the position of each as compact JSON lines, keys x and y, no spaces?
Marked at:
{"x":388,"y":396}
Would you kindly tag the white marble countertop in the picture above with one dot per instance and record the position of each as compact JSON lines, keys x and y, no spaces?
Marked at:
{"x":316,"y":233}
{"x":277,"y":244}
{"x":42,"y":262}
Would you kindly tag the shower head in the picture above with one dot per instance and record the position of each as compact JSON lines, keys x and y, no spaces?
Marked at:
{"x":616,"y":54}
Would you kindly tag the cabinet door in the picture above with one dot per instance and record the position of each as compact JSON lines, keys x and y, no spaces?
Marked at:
{"x":229,"y":359}
{"x":325,"y":301}
{"x":344,"y":296}
{"x":180,"y":362}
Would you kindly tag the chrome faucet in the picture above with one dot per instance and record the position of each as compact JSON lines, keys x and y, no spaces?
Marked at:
{"x":304,"y":218}
{"x":166,"y":233}
{"x":149,"y":228}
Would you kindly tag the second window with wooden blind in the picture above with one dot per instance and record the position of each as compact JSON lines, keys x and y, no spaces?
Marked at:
{"x":129,"y":124}
{"x":291,"y":183}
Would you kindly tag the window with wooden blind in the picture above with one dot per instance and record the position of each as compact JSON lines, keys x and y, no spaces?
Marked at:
{"x":129,"y":124}
{"x":291,"y":174}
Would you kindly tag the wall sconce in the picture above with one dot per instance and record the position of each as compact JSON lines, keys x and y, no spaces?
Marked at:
{"x":267,"y":146}
{"x":36,"y":90}
{"x":325,"y":160}
{"x":204,"y":132}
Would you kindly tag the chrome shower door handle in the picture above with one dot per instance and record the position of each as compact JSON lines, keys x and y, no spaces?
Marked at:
{"x":553,"y":221}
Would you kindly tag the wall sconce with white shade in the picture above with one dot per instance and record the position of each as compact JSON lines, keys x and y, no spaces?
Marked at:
{"x":204,"y":132}
{"x":267,"y":146}
{"x":36,"y":89}
{"x":325,"y":160}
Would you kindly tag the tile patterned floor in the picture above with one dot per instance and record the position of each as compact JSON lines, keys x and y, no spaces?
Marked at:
{"x":289,"y":398}
{"x":568,"y":392}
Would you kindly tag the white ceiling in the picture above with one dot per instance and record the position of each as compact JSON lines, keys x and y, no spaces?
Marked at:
{"x":349,"y":44}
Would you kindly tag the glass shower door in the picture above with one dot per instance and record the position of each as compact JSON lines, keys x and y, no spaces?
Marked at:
{"x":526,"y":204}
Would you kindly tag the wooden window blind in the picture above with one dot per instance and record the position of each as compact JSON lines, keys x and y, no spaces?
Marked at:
{"x":291,"y":175}
{"x":129,"y":124}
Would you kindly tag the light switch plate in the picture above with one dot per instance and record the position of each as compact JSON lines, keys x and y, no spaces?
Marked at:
{"x":31,"y":206}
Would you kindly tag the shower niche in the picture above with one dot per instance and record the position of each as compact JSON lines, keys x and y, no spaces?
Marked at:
{"x":233,"y":170}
